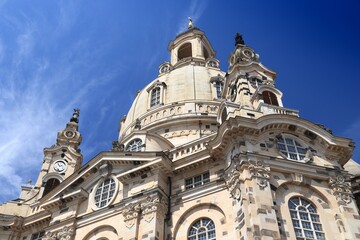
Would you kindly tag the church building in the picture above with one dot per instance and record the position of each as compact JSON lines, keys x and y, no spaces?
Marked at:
{"x":202,"y":154}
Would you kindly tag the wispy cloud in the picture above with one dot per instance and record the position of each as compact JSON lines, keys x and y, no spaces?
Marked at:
{"x":41,"y":82}
{"x":195,"y":11}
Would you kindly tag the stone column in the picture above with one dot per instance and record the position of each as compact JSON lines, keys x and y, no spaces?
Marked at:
{"x":153,"y":216}
{"x":260,"y":217}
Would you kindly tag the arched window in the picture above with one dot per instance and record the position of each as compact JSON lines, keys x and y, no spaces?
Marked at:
{"x":185,"y":51}
{"x":270,"y":98}
{"x":50,"y":185}
{"x":290,"y":148}
{"x":219,"y":88}
{"x":134,"y":146}
{"x":202,"y":229}
{"x":105,"y":192}
{"x":155,"y":97}
{"x":305,"y":220}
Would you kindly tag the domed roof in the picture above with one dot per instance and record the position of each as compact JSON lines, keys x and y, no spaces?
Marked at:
{"x":182,"y":84}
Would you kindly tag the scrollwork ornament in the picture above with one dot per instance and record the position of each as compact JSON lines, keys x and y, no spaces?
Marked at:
{"x":341,"y":189}
{"x":233,"y":184}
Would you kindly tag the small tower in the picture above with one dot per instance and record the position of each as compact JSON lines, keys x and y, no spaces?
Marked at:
{"x":249,"y":84}
{"x":62,"y":159}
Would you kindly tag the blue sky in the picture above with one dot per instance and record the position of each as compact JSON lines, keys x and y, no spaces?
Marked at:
{"x":95,"y":55}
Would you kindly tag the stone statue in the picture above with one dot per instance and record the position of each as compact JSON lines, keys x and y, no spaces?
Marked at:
{"x":190,"y":23}
{"x":75,"y":116}
{"x":239,"y":39}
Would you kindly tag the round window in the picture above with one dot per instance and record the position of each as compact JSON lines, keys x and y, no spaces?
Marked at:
{"x":105,"y":192}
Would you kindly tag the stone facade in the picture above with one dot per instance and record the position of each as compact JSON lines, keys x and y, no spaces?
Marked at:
{"x":202,"y":154}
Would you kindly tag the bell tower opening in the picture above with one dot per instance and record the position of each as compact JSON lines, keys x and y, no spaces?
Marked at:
{"x":185,"y":51}
{"x":50,"y":185}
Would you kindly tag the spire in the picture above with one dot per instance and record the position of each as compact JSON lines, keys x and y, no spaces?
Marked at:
{"x":70,"y":135}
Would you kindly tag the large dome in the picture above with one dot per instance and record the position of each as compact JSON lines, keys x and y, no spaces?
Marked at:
{"x":186,"y":91}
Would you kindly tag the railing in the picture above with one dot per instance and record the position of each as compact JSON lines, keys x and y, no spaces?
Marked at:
{"x":271,"y":109}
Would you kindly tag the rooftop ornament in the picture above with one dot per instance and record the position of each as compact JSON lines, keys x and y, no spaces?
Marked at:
{"x":190,"y":23}
{"x":75,"y":116}
{"x":239,"y":39}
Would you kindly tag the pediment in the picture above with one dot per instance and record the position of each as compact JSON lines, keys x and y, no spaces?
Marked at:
{"x":122,"y":165}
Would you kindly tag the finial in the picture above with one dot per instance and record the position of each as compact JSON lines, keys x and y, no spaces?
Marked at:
{"x":75,"y":116}
{"x":239,"y":39}
{"x":190,"y":23}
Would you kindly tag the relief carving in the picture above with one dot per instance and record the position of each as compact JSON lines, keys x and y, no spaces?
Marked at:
{"x":261,"y":172}
{"x":341,"y":189}
{"x":66,"y":233}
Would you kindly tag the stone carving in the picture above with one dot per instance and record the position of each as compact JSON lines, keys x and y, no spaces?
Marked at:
{"x":341,"y":189}
{"x":131,"y":213}
{"x":66,"y":233}
{"x":117,"y":147}
{"x":233,"y":184}
{"x":137,"y":124}
{"x":155,"y":204}
{"x":261,"y":172}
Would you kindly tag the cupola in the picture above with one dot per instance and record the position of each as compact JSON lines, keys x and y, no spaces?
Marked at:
{"x":190,"y":44}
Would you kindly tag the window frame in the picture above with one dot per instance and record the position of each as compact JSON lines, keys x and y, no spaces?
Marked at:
{"x":301,"y":156}
{"x":101,"y":185}
{"x":305,"y":219}
{"x":197,"y":181}
{"x":38,"y":235}
{"x":155,"y":96}
{"x":193,"y":232}
{"x":138,"y":147}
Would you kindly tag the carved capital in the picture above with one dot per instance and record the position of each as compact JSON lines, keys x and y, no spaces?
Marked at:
{"x":259,"y":171}
{"x":131,"y":213}
{"x":154,"y":204}
{"x":341,"y":189}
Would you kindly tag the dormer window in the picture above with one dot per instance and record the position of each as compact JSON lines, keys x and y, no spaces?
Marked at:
{"x":156,"y":92}
{"x":134,"y":146}
{"x":218,"y":83}
{"x":270,"y":98}
{"x":185,"y":51}
{"x":155,"y":97}
{"x":219,"y":88}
